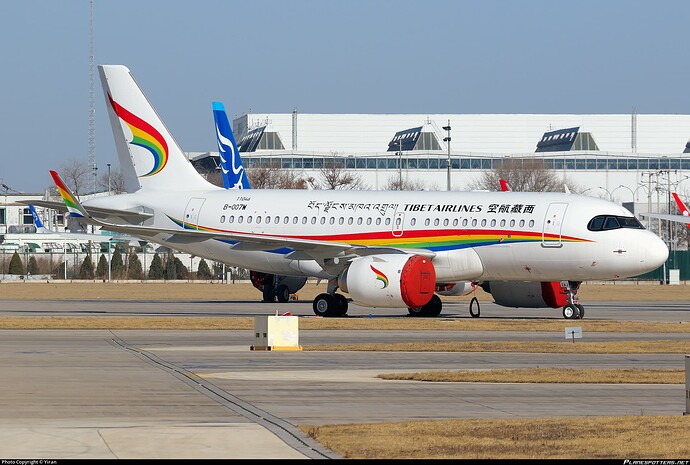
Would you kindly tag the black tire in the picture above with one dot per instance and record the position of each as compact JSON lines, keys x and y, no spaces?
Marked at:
{"x":268,"y":290}
{"x":430,"y":310}
{"x":473,"y":302}
{"x":342,"y":304}
{"x":283,"y":293}
{"x":325,"y":305}
{"x":581,"y":310}
{"x":571,"y":312}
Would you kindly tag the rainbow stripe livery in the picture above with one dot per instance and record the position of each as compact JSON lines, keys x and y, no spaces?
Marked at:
{"x":144,"y":135}
{"x":380,"y":276}
{"x":70,"y":200}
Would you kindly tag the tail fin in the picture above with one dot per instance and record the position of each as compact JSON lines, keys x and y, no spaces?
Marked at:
{"x":149,"y":156}
{"x":37,"y":220}
{"x":681,"y":206}
{"x":504,"y":185}
{"x":234,"y":176}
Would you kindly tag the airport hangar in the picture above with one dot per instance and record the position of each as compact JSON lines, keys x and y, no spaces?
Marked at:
{"x":614,"y":156}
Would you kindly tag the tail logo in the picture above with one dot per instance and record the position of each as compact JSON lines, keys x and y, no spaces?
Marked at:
{"x":380,"y":276}
{"x":225,"y":144}
{"x":144,"y":135}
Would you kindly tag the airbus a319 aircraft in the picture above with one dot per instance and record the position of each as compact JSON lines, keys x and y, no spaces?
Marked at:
{"x":386,"y":249}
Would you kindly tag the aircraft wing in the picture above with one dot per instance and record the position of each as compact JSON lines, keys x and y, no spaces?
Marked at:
{"x":666,"y":216}
{"x":97,"y":212}
{"x":303,"y":248}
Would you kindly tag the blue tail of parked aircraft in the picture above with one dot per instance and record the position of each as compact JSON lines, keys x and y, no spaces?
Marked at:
{"x":234,"y":175}
{"x":37,"y":220}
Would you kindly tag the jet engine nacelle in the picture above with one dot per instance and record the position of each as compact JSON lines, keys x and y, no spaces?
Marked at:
{"x":527,"y":294}
{"x":456,"y":288}
{"x":392,"y":280}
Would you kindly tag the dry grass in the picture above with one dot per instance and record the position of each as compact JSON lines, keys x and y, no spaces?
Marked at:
{"x":565,"y":347}
{"x":657,"y":437}
{"x":316,"y":323}
{"x":547,"y":375}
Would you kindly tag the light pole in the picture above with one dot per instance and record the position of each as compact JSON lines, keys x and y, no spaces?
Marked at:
{"x":400,"y":186}
{"x":108,"y":178}
{"x":624,"y":187}
{"x":447,"y":141}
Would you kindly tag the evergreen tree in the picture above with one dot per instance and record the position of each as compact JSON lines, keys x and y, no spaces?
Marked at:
{"x":59,"y":270}
{"x":156,"y":269}
{"x":203,"y":271}
{"x":86,"y":268}
{"x":218,"y":271}
{"x":170,"y":268}
{"x":181,"y":271}
{"x":102,"y":268}
{"x":117,"y":266}
{"x":134,"y":269}
{"x":32,"y":268}
{"x":16,"y":265}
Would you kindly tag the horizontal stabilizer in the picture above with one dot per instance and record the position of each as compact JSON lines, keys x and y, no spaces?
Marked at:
{"x":666,"y":216}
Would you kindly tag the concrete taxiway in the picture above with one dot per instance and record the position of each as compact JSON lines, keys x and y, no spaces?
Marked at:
{"x":205,"y":394}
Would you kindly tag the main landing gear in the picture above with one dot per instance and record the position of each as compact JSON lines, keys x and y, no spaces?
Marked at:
{"x":573,"y":310}
{"x":330,"y":305}
{"x":431,"y":309}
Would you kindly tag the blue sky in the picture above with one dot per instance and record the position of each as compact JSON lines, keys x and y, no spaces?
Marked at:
{"x":355,"y":56}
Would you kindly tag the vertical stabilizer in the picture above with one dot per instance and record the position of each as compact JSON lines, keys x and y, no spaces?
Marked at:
{"x":150,"y":158}
{"x":681,"y":206}
{"x":37,"y":221}
{"x":234,"y":176}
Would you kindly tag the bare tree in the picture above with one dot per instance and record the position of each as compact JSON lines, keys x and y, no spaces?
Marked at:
{"x":334,"y":176}
{"x":524,"y":175}
{"x":116,"y":183}
{"x":276,"y":178}
{"x":75,"y":174}
{"x":395,"y":183}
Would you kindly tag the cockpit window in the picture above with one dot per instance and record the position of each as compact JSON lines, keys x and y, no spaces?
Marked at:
{"x":611,"y":223}
{"x":608,"y":222}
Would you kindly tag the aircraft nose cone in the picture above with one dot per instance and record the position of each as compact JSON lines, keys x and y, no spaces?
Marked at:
{"x":656,"y":253}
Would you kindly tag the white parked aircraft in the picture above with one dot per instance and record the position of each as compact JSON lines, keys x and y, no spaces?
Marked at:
{"x":384,"y":248}
{"x":44,"y":239}
{"x":684,"y":216}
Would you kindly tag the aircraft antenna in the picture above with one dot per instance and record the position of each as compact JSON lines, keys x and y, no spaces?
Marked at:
{"x":92,"y":103}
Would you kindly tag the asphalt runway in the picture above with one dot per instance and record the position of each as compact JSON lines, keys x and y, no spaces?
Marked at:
{"x":661,"y":311}
{"x":205,"y":394}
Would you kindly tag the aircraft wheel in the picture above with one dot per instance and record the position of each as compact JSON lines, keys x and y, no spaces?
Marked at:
{"x":581,"y":310}
{"x":431,"y":309}
{"x":342,"y":304}
{"x":472,"y":311}
{"x":325,"y":305}
{"x":571,"y":312}
{"x":268,"y":295}
{"x":283,"y":293}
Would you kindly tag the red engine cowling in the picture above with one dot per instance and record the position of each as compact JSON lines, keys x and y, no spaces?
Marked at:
{"x":398,"y":280}
{"x":527,"y":294}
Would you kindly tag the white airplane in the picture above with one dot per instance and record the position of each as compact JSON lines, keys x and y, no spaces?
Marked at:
{"x":386,"y":249}
{"x":48,"y":239}
{"x":273,"y":287}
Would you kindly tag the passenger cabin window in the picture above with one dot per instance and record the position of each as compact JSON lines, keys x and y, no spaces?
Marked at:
{"x":608,"y":222}
{"x":222,"y":219}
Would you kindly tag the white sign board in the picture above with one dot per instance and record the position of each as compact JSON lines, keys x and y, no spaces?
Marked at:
{"x":573,"y":332}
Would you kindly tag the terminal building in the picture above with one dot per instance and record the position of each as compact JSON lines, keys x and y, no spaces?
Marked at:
{"x":618,"y":157}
